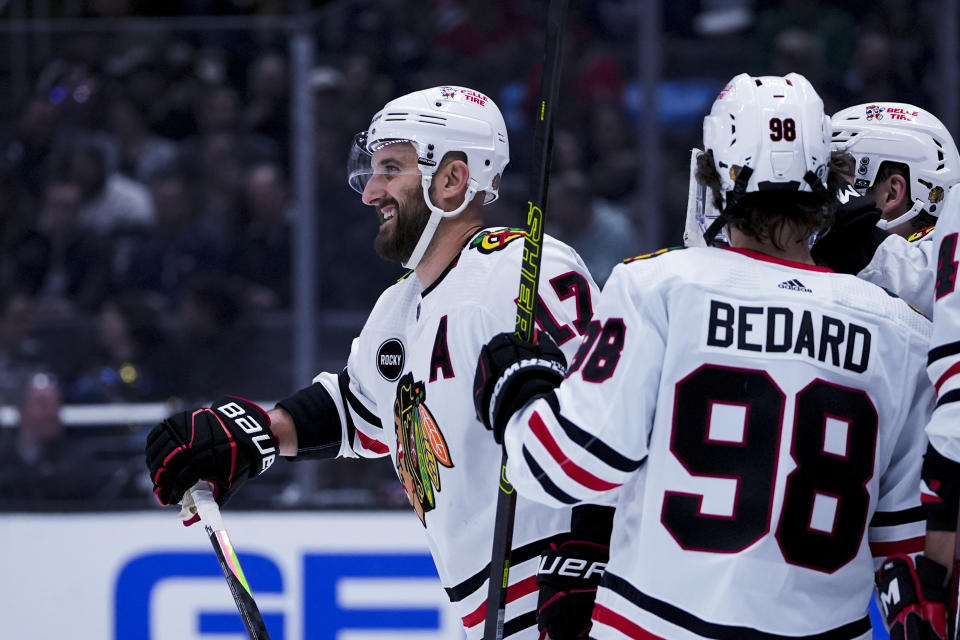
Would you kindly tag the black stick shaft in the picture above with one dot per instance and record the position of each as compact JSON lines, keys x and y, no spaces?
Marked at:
{"x":953,"y":611}
{"x":526,"y":301}
{"x":237,"y":582}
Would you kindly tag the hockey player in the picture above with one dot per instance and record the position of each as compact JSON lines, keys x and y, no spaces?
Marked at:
{"x":428,"y":163}
{"x":904,"y":162}
{"x":941,"y":466}
{"x":758,"y":418}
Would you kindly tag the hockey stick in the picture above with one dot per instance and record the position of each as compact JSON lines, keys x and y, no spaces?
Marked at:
{"x":953,"y":593}
{"x":199,"y":500}
{"x":526,"y":302}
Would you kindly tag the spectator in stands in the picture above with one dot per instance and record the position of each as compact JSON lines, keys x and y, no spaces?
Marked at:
{"x":133,"y":360}
{"x":140,"y":152}
{"x":878,"y":69}
{"x":110,"y":202}
{"x":613,"y":158}
{"x":797,"y":50}
{"x":184,"y":241}
{"x":30,"y":144}
{"x":57,"y":261}
{"x":829,"y":24}
{"x":39,"y":435}
{"x":267,"y":109}
{"x":219,"y":109}
{"x":13,"y":213}
{"x":600,"y":231}
{"x":218,"y":163}
{"x":208,"y":331}
{"x":45,"y":466}
{"x":19,"y":351}
{"x":261,"y":251}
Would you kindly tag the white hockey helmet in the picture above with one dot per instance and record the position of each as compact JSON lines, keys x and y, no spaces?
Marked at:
{"x":767,"y":133}
{"x":436,"y":121}
{"x":879,"y":132}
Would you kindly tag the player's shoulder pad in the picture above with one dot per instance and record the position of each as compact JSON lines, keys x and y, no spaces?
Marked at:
{"x":491,"y":240}
{"x":652,"y":254}
{"x":917,"y":235}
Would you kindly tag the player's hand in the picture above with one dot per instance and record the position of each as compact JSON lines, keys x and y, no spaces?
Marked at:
{"x":510,"y":373}
{"x":848,"y":246}
{"x":224,"y":445}
{"x":568,"y":579}
{"x":912,"y":598}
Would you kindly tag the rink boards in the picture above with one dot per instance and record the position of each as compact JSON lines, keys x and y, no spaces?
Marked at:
{"x":143,"y":576}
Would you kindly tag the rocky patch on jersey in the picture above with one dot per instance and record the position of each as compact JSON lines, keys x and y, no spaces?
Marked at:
{"x":490,"y":241}
{"x":652,"y":254}
{"x":390,"y":359}
{"x":421,"y":447}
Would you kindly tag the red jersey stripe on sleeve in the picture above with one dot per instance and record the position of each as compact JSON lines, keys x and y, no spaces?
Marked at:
{"x":576,"y":472}
{"x":370,"y":444}
{"x":949,"y":373}
{"x":905,"y":547}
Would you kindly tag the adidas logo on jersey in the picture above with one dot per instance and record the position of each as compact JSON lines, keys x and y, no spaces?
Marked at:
{"x":794,"y":285}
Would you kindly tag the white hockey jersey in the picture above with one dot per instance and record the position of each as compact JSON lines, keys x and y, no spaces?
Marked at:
{"x":410,"y":393}
{"x":944,"y":357}
{"x":906,"y":266}
{"x":760,"y":425}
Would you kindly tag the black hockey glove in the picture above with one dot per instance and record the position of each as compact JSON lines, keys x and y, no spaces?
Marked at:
{"x":510,"y":373}
{"x":848,"y":246}
{"x":568,"y":577}
{"x":224,"y":445}
{"x":912,"y":598}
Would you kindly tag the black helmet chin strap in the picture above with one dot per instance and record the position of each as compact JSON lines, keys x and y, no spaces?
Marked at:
{"x":733,"y":196}
{"x":815,"y":185}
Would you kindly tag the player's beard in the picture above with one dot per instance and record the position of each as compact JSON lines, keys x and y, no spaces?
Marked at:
{"x":397,"y":238}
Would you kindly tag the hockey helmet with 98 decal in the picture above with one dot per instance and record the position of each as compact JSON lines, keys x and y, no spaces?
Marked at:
{"x":879,"y":132}
{"x":436,"y":121}
{"x":766,"y":133}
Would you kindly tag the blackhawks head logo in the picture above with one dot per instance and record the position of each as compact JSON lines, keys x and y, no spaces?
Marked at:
{"x":421,"y":447}
{"x":490,"y":241}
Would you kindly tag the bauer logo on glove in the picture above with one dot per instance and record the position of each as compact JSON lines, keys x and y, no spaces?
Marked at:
{"x":263,"y":440}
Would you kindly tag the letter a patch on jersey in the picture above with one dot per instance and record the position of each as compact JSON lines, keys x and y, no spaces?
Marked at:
{"x":421,"y":447}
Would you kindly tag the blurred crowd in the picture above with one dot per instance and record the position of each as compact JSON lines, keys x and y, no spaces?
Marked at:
{"x":145,"y":198}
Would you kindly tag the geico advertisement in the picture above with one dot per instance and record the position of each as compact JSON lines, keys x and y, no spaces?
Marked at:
{"x":144,"y":576}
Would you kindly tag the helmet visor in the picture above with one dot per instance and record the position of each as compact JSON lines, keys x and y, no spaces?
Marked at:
{"x":360,"y":166}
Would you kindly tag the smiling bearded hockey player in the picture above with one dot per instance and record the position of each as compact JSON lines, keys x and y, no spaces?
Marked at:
{"x":758,"y":418}
{"x":428,"y":163}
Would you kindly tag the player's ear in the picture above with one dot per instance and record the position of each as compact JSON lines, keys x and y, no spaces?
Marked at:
{"x":889,"y":193}
{"x":897,"y":190}
{"x":452,"y":178}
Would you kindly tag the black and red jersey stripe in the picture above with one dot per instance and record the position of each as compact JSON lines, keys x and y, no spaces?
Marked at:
{"x":694,"y":624}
